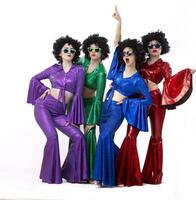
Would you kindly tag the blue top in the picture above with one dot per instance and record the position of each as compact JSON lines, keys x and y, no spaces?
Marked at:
{"x":136,"y":91}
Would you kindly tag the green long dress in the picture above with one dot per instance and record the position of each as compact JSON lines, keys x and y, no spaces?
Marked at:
{"x":96,"y":80}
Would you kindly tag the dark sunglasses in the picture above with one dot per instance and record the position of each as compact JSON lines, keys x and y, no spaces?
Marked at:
{"x":127,"y":53}
{"x":94,"y":49}
{"x":156,"y":46}
{"x":69,"y":50}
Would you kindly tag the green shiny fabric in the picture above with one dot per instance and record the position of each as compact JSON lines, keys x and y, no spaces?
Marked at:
{"x":96,"y":80}
{"x":90,"y":138}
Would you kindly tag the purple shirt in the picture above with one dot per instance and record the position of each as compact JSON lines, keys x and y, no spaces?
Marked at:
{"x":72,"y":81}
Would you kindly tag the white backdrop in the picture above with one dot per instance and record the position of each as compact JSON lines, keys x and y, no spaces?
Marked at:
{"x":28,"y":30}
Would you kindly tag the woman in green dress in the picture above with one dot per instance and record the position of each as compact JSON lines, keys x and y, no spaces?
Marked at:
{"x":95,"y":49}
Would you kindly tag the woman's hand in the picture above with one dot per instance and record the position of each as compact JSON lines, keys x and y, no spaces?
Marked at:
{"x":88,"y":127}
{"x":121,"y":101}
{"x":68,"y":123}
{"x":44,"y":94}
{"x":116,"y":14}
{"x":117,"y":37}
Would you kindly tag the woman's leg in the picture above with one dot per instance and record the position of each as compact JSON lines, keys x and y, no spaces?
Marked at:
{"x":90,"y":138}
{"x":74,"y":168}
{"x":91,"y":117}
{"x":106,"y":151}
{"x":127,"y":163}
{"x":50,"y":170}
{"x":152,"y":170}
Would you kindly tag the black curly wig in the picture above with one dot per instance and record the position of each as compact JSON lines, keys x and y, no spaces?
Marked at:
{"x":158,"y":36}
{"x":101,"y":42}
{"x":60,"y":42}
{"x":137,"y":48}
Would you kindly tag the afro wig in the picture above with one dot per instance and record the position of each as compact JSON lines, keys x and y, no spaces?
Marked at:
{"x":60,"y":42}
{"x":158,"y":36}
{"x":101,"y":42}
{"x":137,"y":48}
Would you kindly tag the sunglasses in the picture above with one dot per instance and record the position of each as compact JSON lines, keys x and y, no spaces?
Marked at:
{"x":94,"y":49}
{"x":127,"y":53}
{"x":156,"y":46}
{"x":69,"y":50}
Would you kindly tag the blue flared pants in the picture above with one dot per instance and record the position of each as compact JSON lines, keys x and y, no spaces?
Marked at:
{"x":106,"y":150}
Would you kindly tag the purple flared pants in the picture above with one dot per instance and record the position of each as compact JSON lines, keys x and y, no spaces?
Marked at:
{"x":49,"y":114}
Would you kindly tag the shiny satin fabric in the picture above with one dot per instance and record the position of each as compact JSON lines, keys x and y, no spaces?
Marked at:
{"x":72,"y":81}
{"x":133,"y":109}
{"x":127,"y":164}
{"x":90,"y":139}
{"x":91,"y":117}
{"x":177,"y":89}
{"x":157,"y":71}
{"x":96,"y":80}
{"x":49,"y":114}
{"x":128,"y":171}
{"x":106,"y":151}
{"x":152,"y":169}
{"x":156,"y":114}
{"x":92,"y":111}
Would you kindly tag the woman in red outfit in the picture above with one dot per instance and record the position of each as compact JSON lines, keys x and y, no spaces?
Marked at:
{"x":176,"y":90}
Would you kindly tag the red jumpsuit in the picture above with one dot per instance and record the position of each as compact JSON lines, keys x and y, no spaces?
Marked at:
{"x":176,"y":90}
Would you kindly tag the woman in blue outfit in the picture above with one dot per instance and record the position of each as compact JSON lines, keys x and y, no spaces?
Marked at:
{"x":127,"y":98}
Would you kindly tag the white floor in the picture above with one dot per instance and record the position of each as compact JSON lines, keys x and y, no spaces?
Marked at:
{"x":24,"y":185}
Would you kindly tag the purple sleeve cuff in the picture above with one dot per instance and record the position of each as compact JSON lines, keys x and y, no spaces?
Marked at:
{"x":76,"y":114}
{"x":36,"y":89}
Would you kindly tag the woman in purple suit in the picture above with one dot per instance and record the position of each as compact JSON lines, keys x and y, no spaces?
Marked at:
{"x":50,"y":111}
